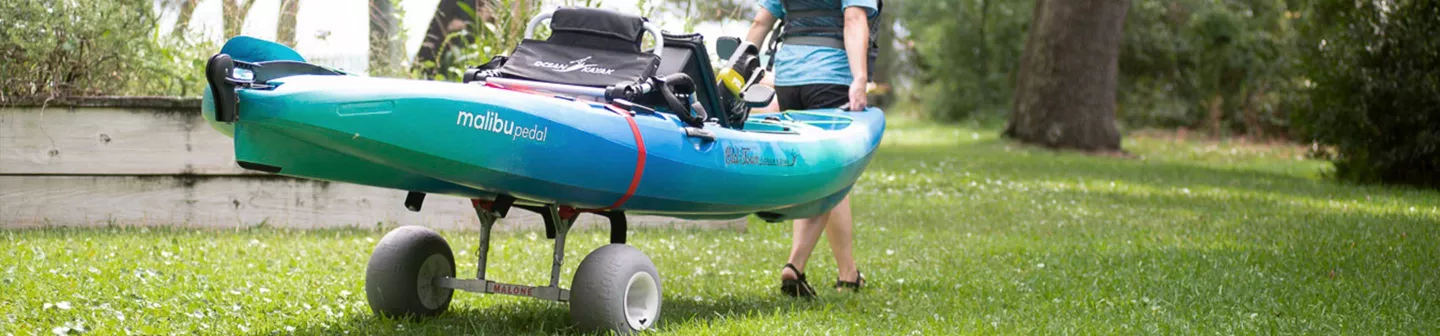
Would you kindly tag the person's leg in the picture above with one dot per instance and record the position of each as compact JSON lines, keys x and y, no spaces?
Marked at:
{"x":805,"y":233}
{"x":839,"y":229}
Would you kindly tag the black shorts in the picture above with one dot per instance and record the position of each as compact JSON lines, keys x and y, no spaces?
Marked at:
{"x":814,"y":96}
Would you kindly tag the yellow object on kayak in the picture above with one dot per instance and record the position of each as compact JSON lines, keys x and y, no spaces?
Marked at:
{"x":732,"y":80}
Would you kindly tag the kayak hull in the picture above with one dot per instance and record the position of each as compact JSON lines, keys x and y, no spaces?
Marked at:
{"x":477,"y":141}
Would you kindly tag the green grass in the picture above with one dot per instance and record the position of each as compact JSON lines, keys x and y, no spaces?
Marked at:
{"x":958,"y":233}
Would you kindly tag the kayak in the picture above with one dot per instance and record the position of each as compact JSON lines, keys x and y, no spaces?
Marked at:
{"x":482,"y":141}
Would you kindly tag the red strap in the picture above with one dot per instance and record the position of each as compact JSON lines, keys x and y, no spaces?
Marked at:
{"x":639,"y":143}
{"x":639,"y":162}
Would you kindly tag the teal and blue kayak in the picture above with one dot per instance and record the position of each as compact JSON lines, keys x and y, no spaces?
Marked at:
{"x":482,"y":141}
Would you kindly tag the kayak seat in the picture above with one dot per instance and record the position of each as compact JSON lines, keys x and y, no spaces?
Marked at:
{"x":587,"y":47}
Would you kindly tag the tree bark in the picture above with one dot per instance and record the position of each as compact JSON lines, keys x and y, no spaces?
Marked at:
{"x":448,"y":18}
{"x":234,"y":12}
{"x":1253,"y":128}
{"x":285,"y":29}
{"x":984,"y":66}
{"x":1065,"y":93}
{"x":883,"y":71}
{"x":1216,"y":105}
{"x":385,"y":48}
{"x":182,"y":23}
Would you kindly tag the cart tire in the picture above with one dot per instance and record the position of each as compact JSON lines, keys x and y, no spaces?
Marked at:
{"x":399,"y":280}
{"x":616,"y":288}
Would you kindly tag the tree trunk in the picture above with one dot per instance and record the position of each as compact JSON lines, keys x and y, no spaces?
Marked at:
{"x":1253,"y":128}
{"x":883,"y":71}
{"x":285,"y":29}
{"x":1065,"y":93}
{"x":1217,"y":114}
{"x":234,"y":13}
{"x":984,"y":65}
{"x":448,"y":18}
{"x":182,"y":23}
{"x":385,"y":47}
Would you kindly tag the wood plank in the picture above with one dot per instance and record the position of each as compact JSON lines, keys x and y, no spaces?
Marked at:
{"x":246,"y":201}
{"x":176,"y":104}
{"x":111,"y":141}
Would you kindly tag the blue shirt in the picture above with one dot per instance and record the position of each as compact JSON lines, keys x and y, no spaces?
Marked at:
{"x":797,"y":65}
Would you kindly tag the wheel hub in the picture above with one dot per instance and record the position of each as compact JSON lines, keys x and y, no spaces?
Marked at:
{"x":642,"y":301}
{"x":435,"y":267}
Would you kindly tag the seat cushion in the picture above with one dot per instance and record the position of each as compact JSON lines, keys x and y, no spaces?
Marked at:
{"x":597,"y":28}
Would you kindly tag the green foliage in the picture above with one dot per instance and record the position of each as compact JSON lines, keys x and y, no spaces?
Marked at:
{"x":387,"y":54}
{"x":482,"y":40}
{"x":964,"y":52}
{"x":1376,"y":96}
{"x":1222,"y":65}
{"x":73,"y":48}
{"x":695,"y":12}
{"x":502,"y":30}
{"x":1177,"y":57}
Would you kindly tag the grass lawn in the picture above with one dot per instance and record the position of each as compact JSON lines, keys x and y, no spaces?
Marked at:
{"x":958,"y":233}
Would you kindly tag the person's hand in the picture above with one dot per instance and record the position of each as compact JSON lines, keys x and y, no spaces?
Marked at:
{"x":858,"y":99}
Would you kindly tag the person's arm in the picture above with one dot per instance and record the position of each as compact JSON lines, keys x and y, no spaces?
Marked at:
{"x":857,"y":48}
{"x":764,"y":21}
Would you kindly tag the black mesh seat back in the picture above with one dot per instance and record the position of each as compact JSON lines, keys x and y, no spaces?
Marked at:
{"x":547,"y":61}
{"x":597,"y":28}
{"x":588,"y":47}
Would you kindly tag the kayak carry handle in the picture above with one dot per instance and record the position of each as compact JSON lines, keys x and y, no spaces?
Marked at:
{"x":700,"y":134}
{"x":218,"y":72}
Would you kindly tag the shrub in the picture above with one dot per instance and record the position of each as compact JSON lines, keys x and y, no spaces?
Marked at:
{"x":1375,"y":68}
{"x":502,"y":28}
{"x":71,"y":48}
{"x":964,"y":52}
{"x":1225,"y":66}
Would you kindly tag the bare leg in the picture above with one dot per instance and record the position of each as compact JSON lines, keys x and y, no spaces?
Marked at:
{"x":806,"y":232}
{"x":840,"y":230}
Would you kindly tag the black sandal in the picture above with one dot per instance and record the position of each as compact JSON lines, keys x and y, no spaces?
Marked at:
{"x":796,"y":287}
{"x":855,"y":286}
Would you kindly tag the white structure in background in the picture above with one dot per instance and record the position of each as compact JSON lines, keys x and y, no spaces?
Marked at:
{"x":335,"y":32}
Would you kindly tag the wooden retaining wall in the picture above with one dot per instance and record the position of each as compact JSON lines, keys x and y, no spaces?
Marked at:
{"x":155,"y":162}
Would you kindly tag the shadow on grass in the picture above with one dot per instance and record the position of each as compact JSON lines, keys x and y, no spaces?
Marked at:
{"x":534,"y":317}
